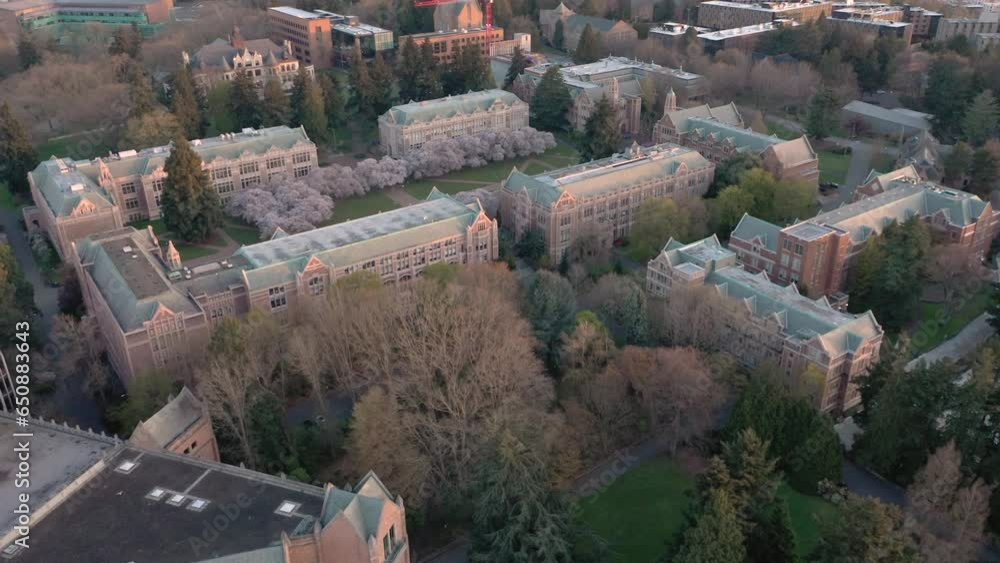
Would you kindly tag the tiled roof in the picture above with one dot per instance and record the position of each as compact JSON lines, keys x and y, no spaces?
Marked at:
{"x":429,"y":110}
{"x":362,"y":506}
{"x":615,"y":173}
{"x":750,"y":228}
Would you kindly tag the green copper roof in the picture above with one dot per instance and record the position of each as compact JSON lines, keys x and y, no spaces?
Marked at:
{"x":750,"y":228}
{"x":429,"y":110}
{"x":63,"y":187}
{"x":742,"y":138}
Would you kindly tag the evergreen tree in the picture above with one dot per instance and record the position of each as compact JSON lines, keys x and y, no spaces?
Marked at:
{"x":17,"y":155}
{"x":429,"y":84}
{"x":980,"y":122}
{"x":518,"y":518}
{"x":864,"y":530}
{"x":601,"y":134}
{"x":333,"y":97}
{"x":308,"y":108}
{"x":140,"y":93}
{"x":518,"y":62}
{"x":191,"y":209}
{"x":383,"y":85}
{"x":716,"y":536}
{"x":185,"y":105}
{"x":558,"y":35}
{"x":28,"y":53}
{"x":273,"y":104}
{"x":772,"y":540}
{"x":983,"y":173}
{"x":822,"y":118}
{"x":590,"y":47}
{"x":469,"y":73}
{"x":946,"y":95}
{"x":362,"y":87}
{"x":551,"y":102}
{"x":244,"y":101}
{"x":408,"y":71}
{"x":957,"y":163}
{"x":755,"y":477}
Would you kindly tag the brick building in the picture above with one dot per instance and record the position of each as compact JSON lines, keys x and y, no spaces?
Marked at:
{"x":75,"y":198}
{"x":182,"y":426}
{"x":261,"y":59}
{"x":817,"y":254}
{"x":617,"y":35}
{"x":601,"y":196}
{"x":325,"y":39}
{"x":447,"y":45}
{"x":156,"y":313}
{"x":408,"y":126}
{"x":107,"y":501}
{"x":617,"y":78}
{"x":723,"y":14}
{"x":60,"y":16}
{"x":774,"y":323}
{"x":863,"y":23}
{"x":744,"y":38}
{"x":673,"y":34}
{"x":719,"y":134}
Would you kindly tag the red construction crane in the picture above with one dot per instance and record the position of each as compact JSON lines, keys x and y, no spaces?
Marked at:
{"x":488,"y":8}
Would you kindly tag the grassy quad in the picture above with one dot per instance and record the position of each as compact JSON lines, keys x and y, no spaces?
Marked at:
{"x":641,"y":513}
{"x":939,"y":322}
{"x":833,"y":167}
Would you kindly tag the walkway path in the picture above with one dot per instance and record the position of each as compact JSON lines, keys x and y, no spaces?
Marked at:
{"x":960,"y":346}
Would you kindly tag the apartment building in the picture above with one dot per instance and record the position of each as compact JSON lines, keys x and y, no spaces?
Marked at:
{"x":601,"y":196}
{"x":817,"y":254}
{"x":448,"y":45}
{"x":156,"y":313}
{"x":75,"y":198}
{"x":109,"y":500}
{"x":59,"y":16}
{"x":744,"y":38}
{"x":408,"y":126}
{"x":326,"y":39}
{"x":865,"y":24}
{"x":617,"y":35}
{"x":618,"y":79}
{"x":925,"y":22}
{"x":261,"y":59}
{"x":719,"y":134}
{"x":673,"y":34}
{"x":987,"y":22}
{"x":768,"y":322}
{"x":723,"y":14}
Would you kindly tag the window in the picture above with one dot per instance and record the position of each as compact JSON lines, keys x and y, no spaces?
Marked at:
{"x":273,"y":163}
{"x":787,"y":244}
{"x":249,"y":182}
{"x":220,"y":173}
{"x":158,"y":186}
{"x":224,"y":187}
{"x":389,"y":541}
{"x":316,"y":286}
{"x":128,"y":188}
{"x":301,"y":158}
{"x":277,"y":295}
{"x":799,"y":249}
{"x":249,"y":168}
{"x":301,"y":171}
{"x":132,"y":204}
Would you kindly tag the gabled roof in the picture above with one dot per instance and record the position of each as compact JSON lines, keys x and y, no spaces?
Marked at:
{"x":577,"y":23}
{"x":744,"y":139}
{"x":899,"y":116}
{"x":169,"y":422}
{"x":727,"y":114}
{"x":751,"y":228}
{"x":794,"y":151}
{"x":220,"y":54}
{"x":463,"y":104}
{"x":64,"y":187}
{"x":361,"y":506}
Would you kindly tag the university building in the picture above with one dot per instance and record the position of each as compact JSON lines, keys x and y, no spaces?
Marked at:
{"x":60,"y":16}
{"x":182,"y":426}
{"x":156,"y":313}
{"x":601,"y":196}
{"x":261,"y":59}
{"x":817,"y":254}
{"x":724,"y":14}
{"x":76,"y":198}
{"x":114,"y":501}
{"x":325,"y":39}
{"x":408,"y":126}
{"x":616,"y":35}
{"x":618,"y":79}
{"x":719,"y":134}
{"x":447,"y":45}
{"x":768,"y":322}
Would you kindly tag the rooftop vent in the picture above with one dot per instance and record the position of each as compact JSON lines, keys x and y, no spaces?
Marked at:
{"x":287,"y":508}
{"x":76,"y":188}
{"x":197,"y":505}
{"x":126,"y":467}
{"x":10,"y":551}
{"x":156,"y":494}
{"x":176,"y":499}
{"x":128,"y":153}
{"x":127,"y":249}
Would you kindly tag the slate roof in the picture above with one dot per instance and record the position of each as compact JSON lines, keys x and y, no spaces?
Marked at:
{"x":727,"y":114}
{"x":615,"y":173}
{"x":744,"y":139}
{"x":133,"y":283}
{"x":362,"y":506}
{"x":706,"y":254}
{"x":219,"y":54}
{"x":64,"y":186}
{"x":273,"y":554}
{"x":277,"y":260}
{"x":750,"y":228}
{"x":429,"y":110}
{"x":169,"y":422}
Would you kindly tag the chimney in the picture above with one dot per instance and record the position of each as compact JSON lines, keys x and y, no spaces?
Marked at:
{"x":236,"y":38}
{"x":173,"y":257}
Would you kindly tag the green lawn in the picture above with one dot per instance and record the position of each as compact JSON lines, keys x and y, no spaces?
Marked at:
{"x":833,"y":167}
{"x":783,"y":132}
{"x":643,"y":510}
{"x":420,"y":188}
{"x":241,"y":232}
{"x":362,"y":206}
{"x":192,"y":252}
{"x":84,"y":145}
{"x":931,"y":331}
{"x":158,"y":227}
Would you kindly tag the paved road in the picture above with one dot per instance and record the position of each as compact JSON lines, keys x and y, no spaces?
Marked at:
{"x":74,"y":405}
{"x":962,"y":345}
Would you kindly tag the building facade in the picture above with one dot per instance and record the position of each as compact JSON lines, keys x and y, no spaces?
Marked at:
{"x":448,"y":45}
{"x":77,"y":198}
{"x":875,"y":27}
{"x":59,"y":16}
{"x":182,"y":426}
{"x":171,"y":506}
{"x":462,"y":14}
{"x":817,"y":254}
{"x":719,"y":134}
{"x":408,"y":126}
{"x":674,"y":34}
{"x":723,"y":14}
{"x":619,"y":80}
{"x":744,"y":38}
{"x":768,"y":322}
{"x":156,"y":313}
{"x":325,"y":39}
{"x":987,"y":22}
{"x":261,"y":59}
{"x":599,"y":197}
{"x":616,"y":35}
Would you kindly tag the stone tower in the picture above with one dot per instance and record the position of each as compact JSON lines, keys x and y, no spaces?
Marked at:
{"x":670,"y":103}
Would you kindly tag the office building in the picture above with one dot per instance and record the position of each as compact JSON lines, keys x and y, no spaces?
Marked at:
{"x":448,"y":45}
{"x":744,"y":38}
{"x":325,"y":39}
{"x":723,"y":14}
{"x":57,"y":17}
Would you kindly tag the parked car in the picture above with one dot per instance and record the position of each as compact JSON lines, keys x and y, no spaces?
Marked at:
{"x":829,"y":186}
